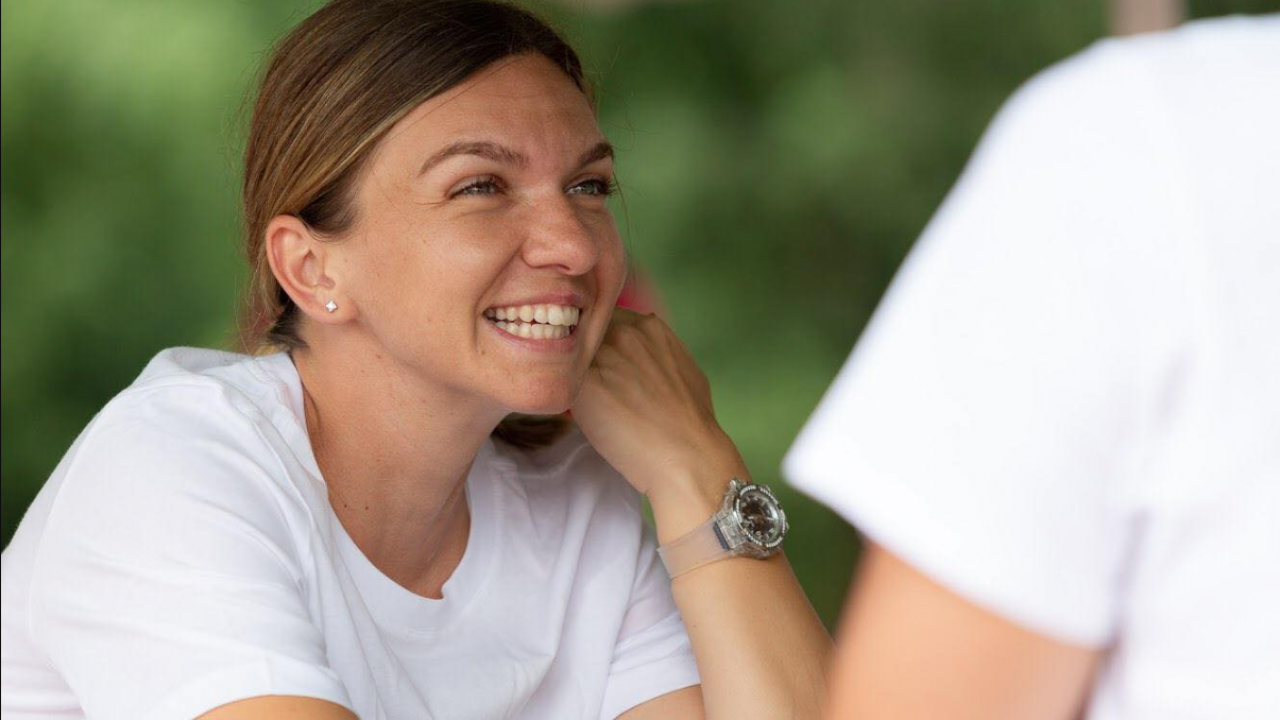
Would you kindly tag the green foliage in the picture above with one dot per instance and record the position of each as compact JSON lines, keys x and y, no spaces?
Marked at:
{"x":777,"y":161}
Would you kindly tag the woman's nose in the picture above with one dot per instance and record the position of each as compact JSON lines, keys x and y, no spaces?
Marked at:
{"x":562,"y":237}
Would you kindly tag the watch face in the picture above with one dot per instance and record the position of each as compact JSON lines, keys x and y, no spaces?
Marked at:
{"x":761,"y":516}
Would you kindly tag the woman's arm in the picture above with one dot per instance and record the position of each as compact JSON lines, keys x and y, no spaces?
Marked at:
{"x":280,"y":707}
{"x":910,"y":648}
{"x":762,"y":650}
{"x":760,"y":647}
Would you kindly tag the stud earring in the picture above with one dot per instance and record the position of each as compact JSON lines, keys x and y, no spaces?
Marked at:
{"x":331,"y":306}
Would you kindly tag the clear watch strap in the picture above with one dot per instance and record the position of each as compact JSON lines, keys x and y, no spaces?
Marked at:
{"x":694,"y":549}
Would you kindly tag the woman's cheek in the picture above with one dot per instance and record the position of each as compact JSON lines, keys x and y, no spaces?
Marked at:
{"x":617,"y":259}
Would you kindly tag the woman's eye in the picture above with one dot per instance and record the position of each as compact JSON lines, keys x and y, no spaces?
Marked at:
{"x":602,"y":188}
{"x":595,"y":187}
{"x":483,"y":186}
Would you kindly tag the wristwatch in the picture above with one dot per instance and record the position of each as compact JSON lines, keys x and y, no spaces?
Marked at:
{"x":750,"y":522}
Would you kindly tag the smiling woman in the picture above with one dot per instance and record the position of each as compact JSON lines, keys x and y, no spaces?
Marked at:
{"x":309,"y":151}
{"x":336,"y":523}
{"x":507,"y":210}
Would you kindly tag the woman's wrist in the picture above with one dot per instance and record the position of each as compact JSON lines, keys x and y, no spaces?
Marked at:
{"x":690,"y":494}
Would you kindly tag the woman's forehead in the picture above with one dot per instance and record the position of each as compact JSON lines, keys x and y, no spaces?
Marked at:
{"x":523,"y":102}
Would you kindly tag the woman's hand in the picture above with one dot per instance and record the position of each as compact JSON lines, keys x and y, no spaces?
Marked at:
{"x":646,"y":407}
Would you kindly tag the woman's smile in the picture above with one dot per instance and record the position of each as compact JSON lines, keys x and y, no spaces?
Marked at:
{"x":542,"y":323}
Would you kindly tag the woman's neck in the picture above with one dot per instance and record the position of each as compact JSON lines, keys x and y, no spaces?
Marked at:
{"x":395,"y":453}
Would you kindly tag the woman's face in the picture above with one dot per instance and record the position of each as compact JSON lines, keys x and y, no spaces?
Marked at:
{"x":490,"y":197}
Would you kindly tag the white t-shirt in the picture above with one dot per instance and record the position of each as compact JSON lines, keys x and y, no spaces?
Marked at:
{"x":184,"y":555}
{"x":1067,"y":407}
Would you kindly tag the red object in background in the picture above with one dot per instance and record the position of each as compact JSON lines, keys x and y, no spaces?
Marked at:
{"x":639,"y":295}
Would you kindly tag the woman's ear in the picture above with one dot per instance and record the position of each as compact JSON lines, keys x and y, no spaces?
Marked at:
{"x":303,"y":266}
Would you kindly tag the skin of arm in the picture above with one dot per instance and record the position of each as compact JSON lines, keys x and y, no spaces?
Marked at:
{"x":910,"y":648}
{"x":761,"y":649}
{"x":280,"y":707}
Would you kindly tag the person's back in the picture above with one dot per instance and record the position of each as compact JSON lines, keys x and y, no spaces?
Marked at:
{"x":1067,"y":410}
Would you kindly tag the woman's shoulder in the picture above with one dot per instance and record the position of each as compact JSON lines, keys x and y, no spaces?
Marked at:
{"x":198,"y":398}
{"x":176,"y":475}
{"x":191,"y":436}
{"x":246,"y":382}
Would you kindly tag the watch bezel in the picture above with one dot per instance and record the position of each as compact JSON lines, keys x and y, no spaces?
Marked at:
{"x":743,"y":541}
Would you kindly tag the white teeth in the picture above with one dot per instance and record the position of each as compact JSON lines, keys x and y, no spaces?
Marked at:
{"x":534,"y":331}
{"x":549,"y":316}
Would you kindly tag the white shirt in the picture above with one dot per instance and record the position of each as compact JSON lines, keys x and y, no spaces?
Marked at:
{"x":184,"y":555}
{"x":1067,"y":407}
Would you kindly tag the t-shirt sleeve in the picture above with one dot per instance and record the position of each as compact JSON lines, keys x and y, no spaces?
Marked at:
{"x":984,"y":426}
{"x":166,"y":583}
{"x":653,"y":655}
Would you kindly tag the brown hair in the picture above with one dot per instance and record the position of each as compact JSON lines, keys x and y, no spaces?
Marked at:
{"x":332,"y":89}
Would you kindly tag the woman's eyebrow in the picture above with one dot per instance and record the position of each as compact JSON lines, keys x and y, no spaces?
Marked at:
{"x":483,"y":148}
{"x":601,"y":150}
{"x":505,"y":155}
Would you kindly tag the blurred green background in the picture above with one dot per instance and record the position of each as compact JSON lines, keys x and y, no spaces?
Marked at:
{"x":777,"y":160}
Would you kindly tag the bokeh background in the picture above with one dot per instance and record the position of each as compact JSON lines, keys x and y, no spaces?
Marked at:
{"x":777,"y":160}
